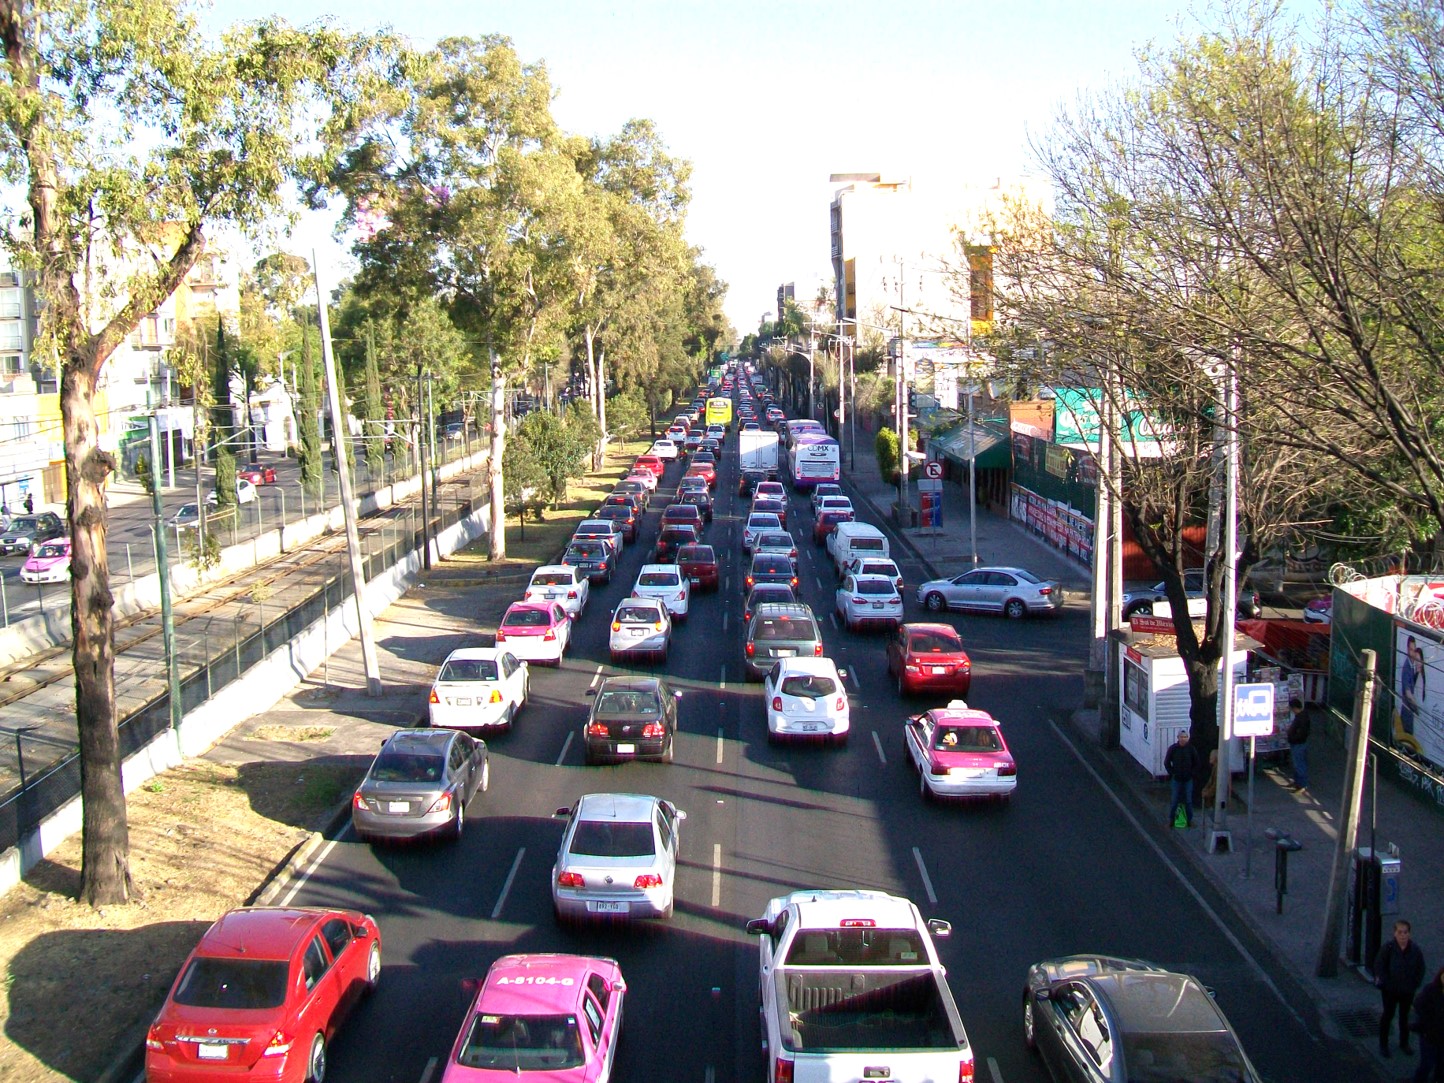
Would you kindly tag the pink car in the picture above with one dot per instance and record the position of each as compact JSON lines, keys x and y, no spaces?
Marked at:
{"x":553,"y":1017}
{"x":50,"y":563}
{"x":960,"y":752}
{"x":535,"y":631}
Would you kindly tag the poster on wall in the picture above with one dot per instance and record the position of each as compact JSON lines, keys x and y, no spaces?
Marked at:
{"x":1419,"y":694}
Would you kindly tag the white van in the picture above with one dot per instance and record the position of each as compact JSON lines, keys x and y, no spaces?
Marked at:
{"x":852,"y":540}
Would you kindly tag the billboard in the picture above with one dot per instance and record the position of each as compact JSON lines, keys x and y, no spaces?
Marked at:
{"x":1418,"y":693}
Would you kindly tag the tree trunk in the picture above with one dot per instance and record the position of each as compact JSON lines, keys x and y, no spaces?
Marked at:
{"x":598,"y":400}
{"x":494,"y":463}
{"x":105,"y":832}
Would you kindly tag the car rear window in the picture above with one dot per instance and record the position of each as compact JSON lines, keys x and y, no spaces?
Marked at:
{"x":607,"y":838}
{"x":522,"y":1043}
{"x":583,"y":553}
{"x":764,"y":522}
{"x":468,"y":669}
{"x":392,"y":766}
{"x":967,"y":739}
{"x":867,"y":545}
{"x":697,"y":554}
{"x":526,"y":618}
{"x":775,"y":541}
{"x":551,"y":579}
{"x":784,"y":628}
{"x":658,"y":579}
{"x":872,"y":586}
{"x":233,"y":983}
{"x":643,"y":613}
{"x":857,"y":947}
{"x":808,"y":686}
{"x":935,"y":643}
{"x":610,"y":704}
{"x":772,"y":565}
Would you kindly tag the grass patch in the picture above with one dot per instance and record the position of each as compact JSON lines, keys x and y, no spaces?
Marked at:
{"x":323,"y":789}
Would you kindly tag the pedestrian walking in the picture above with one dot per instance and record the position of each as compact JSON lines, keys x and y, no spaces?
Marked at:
{"x":1398,"y":970}
{"x":1298,"y":738}
{"x":1181,"y":762}
{"x":1429,"y":1013}
{"x":30,"y":505}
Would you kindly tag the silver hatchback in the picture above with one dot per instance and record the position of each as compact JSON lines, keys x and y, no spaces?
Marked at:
{"x":420,"y":784}
{"x":618,"y":857}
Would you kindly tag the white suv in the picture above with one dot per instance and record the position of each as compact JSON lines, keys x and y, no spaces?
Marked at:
{"x":805,"y":698}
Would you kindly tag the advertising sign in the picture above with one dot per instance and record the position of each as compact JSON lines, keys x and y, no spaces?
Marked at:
{"x":1419,"y":694}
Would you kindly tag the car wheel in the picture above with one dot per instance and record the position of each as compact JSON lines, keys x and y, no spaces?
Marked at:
{"x":373,"y":968}
{"x":1030,"y":1034}
{"x":316,"y":1062}
{"x":458,"y":824}
{"x":485,"y":783}
{"x":1015,"y":609}
{"x":935,"y":602}
{"x":670,"y":750}
{"x":927,"y":794}
{"x":902,"y":689}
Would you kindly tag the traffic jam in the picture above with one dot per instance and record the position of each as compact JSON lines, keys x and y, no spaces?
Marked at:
{"x":848,"y":981}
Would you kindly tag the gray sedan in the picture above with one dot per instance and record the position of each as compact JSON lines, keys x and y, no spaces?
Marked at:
{"x":618,"y":858}
{"x":1013,"y":592}
{"x":420,"y":784}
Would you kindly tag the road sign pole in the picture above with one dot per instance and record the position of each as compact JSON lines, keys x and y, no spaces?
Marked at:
{"x":1248,"y":817}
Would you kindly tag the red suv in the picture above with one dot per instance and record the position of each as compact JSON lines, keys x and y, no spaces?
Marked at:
{"x":929,"y":658}
{"x":677,"y":514}
{"x":699,"y":564}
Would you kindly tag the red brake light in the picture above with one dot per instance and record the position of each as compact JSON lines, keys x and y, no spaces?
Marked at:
{"x":777,"y":703}
{"x":749,"y":582}
{"x":571,"y":594}
{"x":646,"y":880}
{"x":279,"y":1046}
{"x":781,"y":1071}
{"x":357,"y":801}
{"x":616,"y":626}
{"x":653,"y":729}
{"x":1045,"y":591}
{"x":434,"y":697}
{"x":817,"y":650}
{"x":965,"y":1071}
{"x":570,"y":879}
{"x":1008,"y":770}
{"x":857,"y":923}
{"x":841,"y":703}
{"x":794,"y":582}
{"x":937,"y":769}
{"x":596,"y":729}
{"x":859,"y":601}
{"x":750,"y":649}
{"x":500,"y":636}
{"x":152,"y":1038}
{"x":602,"y":566}
{"x":441,"y":804}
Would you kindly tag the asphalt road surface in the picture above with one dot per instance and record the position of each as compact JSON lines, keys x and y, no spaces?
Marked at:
{"x":1067,"y":868}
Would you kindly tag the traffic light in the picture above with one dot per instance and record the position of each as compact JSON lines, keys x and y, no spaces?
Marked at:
{"x":912,"y":399}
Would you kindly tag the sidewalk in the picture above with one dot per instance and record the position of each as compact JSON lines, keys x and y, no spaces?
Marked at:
{"x":1347,"y":1006}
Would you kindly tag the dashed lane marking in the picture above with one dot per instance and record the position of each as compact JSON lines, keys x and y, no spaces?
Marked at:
{"x":927,"y":880}
{"x":506,"y":887}
{"x":565,"y":746}
{"x":428,"y":1071}
{"x":716,"y":875}
{"x":994,"y":1070}
{"x":877,"y":743}
{"x":596,"y":677}
{"x":721,"y":745}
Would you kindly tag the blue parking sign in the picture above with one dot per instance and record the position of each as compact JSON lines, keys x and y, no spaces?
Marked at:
{"x":1253,"y":710}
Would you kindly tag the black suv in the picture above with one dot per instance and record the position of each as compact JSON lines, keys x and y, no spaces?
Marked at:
{"x":25,"y":531}
{"x":780,"y":631}
{"x":631,"y":718}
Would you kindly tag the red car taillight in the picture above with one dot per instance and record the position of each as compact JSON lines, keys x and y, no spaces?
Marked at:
{"x":859,"y":601}
{"x":654,"y":729}
{"x":817,"y":650}
{"x":1009,"y":770}
{"x":602,"y":566}
{"x":549,"y":636}
{"x":1045,"y":591}
{"x":152,"y":1038}
{"x":751,"y":649}
{"x":781,"y":1071}
{"x":596,"y":729}
{"x":571,"y":595}
{"x":749,"y":582}
{"x":794,"y":582}
{"x":657,"y":625}
{"x":357,"y":801}
{"x":646,"y":880}
{"x":279,"y":1045}
{"x":841,"y":704}
{"x":937,"y":769}
{"x":777,"y":703}
{"x":434,"y":697}
{"x":500,"y":636}
{"x":616,"y":626}
{"x":965,"y":1071}
{"x":570,"y":879}
{"x":441,"y":804}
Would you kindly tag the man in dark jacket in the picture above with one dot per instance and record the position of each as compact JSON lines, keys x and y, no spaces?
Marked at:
{"x":1398,"y":971}
{"x":1181,"y":762}
{"x":1298,"y":738}
{"x":1429,"y":1006}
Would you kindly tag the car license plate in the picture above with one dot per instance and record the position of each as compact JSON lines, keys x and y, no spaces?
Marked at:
{"x":939,"y":671}
{"x":636,"y":633}
{"x":626,"y":750}
{"x":976,"y":772}
{"x":398,"y":806}
{"x":809,"y":727}
{"x":463,"y":701}
{"x":784,"y":652}
{"x":877,"y":605}
{"x":608,"y":907}
{"x":694,"y":579}
{"x":212,"y":1051}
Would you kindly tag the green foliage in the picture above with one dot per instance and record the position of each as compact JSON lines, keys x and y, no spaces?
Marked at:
{"x":524,"y":481}
{"x":560,"y":446}
{"x":309,"y":455}
{"x":143,"y":474}
{"x":225,"y":479}
{"x":203,"y":555}
{"x":373,"y":411}
{"x":887,"y":448}
{"x":627,"y":416}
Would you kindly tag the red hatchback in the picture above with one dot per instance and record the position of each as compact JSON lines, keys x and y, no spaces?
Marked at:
{"x":262,"y":995}
{"x":650,"y":462}
{"x":929,"y":658}
{"x":257,"y":474}
{"x":683,"y":514}
{"x":706,"y":471}
{"x":699,"y":564}
{"x":826,"y":523}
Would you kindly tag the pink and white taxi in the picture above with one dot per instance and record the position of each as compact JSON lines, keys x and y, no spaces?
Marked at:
{"x":960,"y":752}
{"x":554,"y":1018}
{"x":49,"y":563}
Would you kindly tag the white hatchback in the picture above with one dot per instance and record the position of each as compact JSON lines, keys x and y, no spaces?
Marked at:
{"x":664,"y":449}
{"x":805,"y":698}
{"x":668,"y":585}
{"x":758,"y":522}
{"x":478,"y":688}
{"x":561,"y":583}
{"x":869,"y":599}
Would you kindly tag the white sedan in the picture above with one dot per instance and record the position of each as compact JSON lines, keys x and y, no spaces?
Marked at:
{"x":664,"y":449}
{"x":479,"y":688}
{"x":868,"y":599}
{"x":640,"y":626}
{"x":804,"y":697}
{"x":245,"y":493}
{"x":668,"y":585}
{"x":560,"y":583}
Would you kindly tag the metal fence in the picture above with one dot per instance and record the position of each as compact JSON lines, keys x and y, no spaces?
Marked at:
{"x":47,"y":768}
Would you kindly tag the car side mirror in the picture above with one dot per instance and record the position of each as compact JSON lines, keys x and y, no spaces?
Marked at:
{"x":680,"y":815}
{"x":591,"y":691}
{"x":562,"y":814}
{"x":759,"y":927}
{"x":676,"y":695}
{"x":940,"y":929}
{"x":1043,"y":993}
{"x":619,"y":986}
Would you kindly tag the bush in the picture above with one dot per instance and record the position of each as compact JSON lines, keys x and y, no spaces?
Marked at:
{"x":886,"y":447}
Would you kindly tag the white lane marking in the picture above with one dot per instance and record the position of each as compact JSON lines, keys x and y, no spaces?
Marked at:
{"x":721,"y":745}
{"x":833,"y":617}
{"x":877,"y":743}
{"x":724,"y":622}
{"x":506,"y":887}
{"x":716,"y":874}
{"x":724,"y":676}
{"x":565,"y":745}
{"x":853,"y":674}
{"x":818,"y":580}
{"x":710,"y":1075}
{"x":994,"y":1070}
{"x":596,"y":677}
{"x":428,"y":1070}
{"x":315,"y":864}
{"x":726,"y":582}
{"x":927,"y":881}
{"x":1178,"y":874}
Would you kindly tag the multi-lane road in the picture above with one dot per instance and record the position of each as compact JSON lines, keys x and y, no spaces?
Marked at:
{"x":1067,"y":868}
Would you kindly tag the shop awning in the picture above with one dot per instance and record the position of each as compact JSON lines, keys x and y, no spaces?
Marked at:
{"x":987,"y":442}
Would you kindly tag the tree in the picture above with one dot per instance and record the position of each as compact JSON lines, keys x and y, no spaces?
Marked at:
{"x":196,"y":135}
{"x":309,"y":454}
{"x":374,"y":410}
{"x":526,"y":481}
{"x":222,"y":453}
{"x":627,"y":415}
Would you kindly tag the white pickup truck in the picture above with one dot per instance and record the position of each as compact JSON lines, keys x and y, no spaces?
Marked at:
{"x":851,"y":990}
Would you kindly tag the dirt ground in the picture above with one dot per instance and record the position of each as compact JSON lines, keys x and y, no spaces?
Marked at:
{"x":203,"y":838}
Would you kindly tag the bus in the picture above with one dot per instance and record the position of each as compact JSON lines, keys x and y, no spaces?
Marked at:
{"x":814,"y":458}
{"x":719,"y":411}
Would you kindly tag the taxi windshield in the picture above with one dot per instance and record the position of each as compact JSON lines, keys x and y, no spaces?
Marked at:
{"x":522,"y":1043}
{"x":967,"y":739}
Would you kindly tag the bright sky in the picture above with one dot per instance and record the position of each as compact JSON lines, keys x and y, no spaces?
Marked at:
{"x":768,"y":97}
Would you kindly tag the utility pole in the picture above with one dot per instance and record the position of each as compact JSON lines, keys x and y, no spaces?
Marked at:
{"x":348,"y":506}
{"x":421,"y":463}
{"x":1328,"y":964}
{"x":1219,"y":838}
{"x":167,"y":615}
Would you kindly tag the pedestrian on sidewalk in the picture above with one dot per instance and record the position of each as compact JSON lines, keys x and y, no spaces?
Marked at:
{"x":1429,"y":1012}
{"x":1298,"y":738}
{"x":30,"y":506}
{"x":1181,"y":762}
{"x":1398,"y":970}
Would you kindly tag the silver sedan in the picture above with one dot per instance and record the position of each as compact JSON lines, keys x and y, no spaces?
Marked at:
{"x":618,"y":858}
{"x":420,"y":784}
{"x":640,"y":626}
{"x":1013,"y":592}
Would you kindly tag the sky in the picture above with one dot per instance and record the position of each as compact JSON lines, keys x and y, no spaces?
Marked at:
{"x":767,"y":98}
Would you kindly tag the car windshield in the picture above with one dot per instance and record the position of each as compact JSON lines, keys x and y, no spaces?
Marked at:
{"x":233,"y":983}
{"x":808,"y":686}
{"x":551,"y":579}
{"x":51,"y":551}
{"x":657,"y":579}
{"x":468,"y":669}
{"x":393,"y":766}
{"x":935,"y":643}
{"x":23,"y":522}
{"x":1162,"y":1058}
{"x":610,"y":704}
{"x":526,"y":618}
{"x":783,"y":628}
{"x":967,"y":739}
{"x":522,"y":1043}
{"x":610,"y":838}
{"x":643,"y":614}
{"x":775,"y":541}
{"x":876,"y":586}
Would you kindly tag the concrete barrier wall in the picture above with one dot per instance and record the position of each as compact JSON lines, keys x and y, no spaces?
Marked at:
{"x":262,"y":686}
{"x":28,"y":637}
